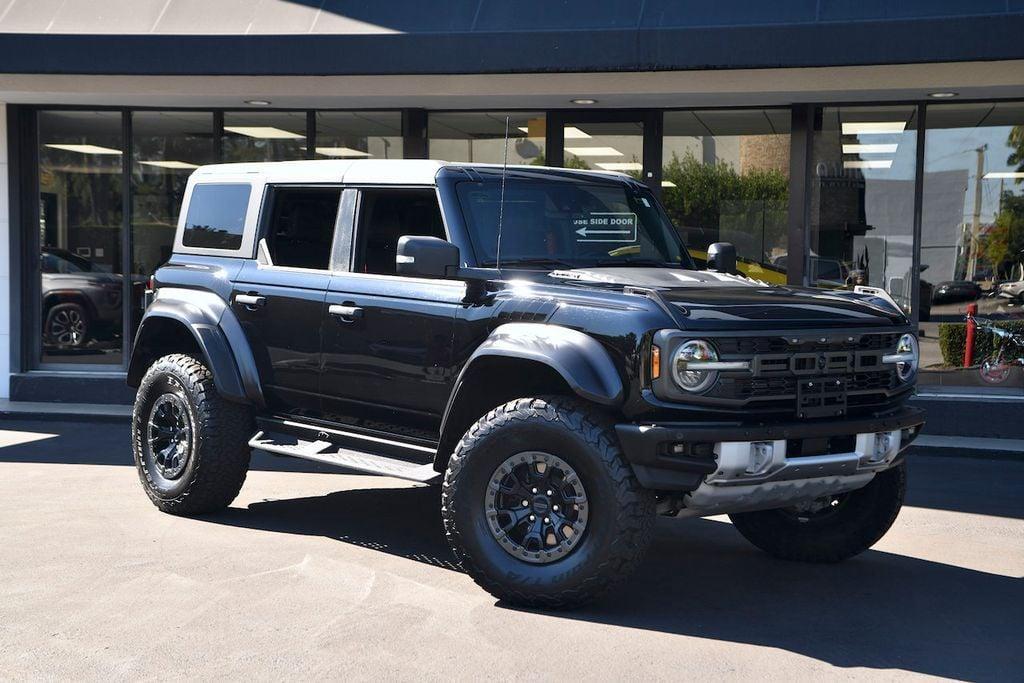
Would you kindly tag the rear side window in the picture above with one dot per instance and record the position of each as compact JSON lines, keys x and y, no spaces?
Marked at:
{"x":216,"y":216}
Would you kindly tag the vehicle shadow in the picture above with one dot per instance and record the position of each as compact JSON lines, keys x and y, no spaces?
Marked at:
{"x":702,"y":579}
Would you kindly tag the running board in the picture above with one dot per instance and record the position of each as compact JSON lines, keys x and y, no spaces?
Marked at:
{"x":332,"y":454}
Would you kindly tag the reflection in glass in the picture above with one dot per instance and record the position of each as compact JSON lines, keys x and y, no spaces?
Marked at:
{"x":264,"y":136}
{"x":725,"y":178}
{"x":166,"y":148}
{"x":480,"y":137}
{"x":605,"y":147}
{"x":972,"y":242}
{"x":80,"y":211}
{"x":358,"y":135}
{"x":862,"y":200}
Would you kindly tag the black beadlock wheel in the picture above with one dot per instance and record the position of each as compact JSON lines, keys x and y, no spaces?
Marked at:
{"x":190,"y":445}
{"x":830,"y":529}
{"x":541,"y":508}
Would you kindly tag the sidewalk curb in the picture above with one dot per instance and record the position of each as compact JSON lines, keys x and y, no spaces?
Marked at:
{"x":64,"y":412}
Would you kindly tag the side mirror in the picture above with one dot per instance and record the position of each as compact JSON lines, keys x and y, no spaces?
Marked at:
{"x":722,"y":257}
{"x":426,"y":257}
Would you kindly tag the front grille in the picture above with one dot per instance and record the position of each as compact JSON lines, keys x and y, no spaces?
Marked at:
{"x":779,"y":364}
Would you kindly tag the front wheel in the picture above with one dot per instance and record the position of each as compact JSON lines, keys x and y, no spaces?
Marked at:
{"x":190,"y":445}
{"x":540,"y":506}
{"x":994,"y":370}
{"x":829,"y":529}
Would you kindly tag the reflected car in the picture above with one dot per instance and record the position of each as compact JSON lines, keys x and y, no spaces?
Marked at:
{"x":79,"y":299}
{"x":1011,"y":290}
{"x":956,"y":290}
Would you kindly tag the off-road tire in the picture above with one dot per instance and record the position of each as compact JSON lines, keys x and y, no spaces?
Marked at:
{"x":863,"y":517}
{"x":220,"y":431}
{"x":621,"y":512}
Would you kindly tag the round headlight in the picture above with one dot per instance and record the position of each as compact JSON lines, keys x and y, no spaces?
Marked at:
{"x":907,"y":346}
{"x":689,"y":378}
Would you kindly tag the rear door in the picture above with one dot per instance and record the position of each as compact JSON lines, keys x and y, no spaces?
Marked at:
{"x":387,"y":338}
{"x":279,"y":297}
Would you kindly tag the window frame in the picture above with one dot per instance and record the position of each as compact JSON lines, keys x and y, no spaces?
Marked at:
{"x":249,"y":227}
{"x":358,"y":232}
{"x":267,"y":213}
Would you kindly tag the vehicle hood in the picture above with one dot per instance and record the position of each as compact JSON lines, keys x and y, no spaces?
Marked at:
{"x":706,"y":299}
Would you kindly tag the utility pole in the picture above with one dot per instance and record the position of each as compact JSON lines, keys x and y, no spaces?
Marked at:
{"x":972,"y":262}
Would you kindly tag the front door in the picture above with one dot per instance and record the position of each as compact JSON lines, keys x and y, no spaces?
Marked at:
{"x":387,"y":338}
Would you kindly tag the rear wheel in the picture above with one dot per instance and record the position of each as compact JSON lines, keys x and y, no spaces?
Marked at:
{"x":190,"y":445}
{"x":829,"y":529}
{"x":540,"y":506}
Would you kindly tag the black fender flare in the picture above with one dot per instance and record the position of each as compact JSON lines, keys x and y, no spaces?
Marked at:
{"x":578,"y":358}
{"x":217,"y":333}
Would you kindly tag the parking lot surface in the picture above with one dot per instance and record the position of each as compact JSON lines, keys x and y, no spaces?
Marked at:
{"x":318,"y":574}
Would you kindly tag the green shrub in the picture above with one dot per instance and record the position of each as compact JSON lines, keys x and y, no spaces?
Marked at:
{"x":953,"y":338}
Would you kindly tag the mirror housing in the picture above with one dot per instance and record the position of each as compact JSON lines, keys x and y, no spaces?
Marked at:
{"x":722,"y":258}
{"x":430,"y":257}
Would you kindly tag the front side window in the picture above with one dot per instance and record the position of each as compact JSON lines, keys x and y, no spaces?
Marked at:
{"x":386,"y":215}
{"x":216,"y":216}
{"x":553,"y":222}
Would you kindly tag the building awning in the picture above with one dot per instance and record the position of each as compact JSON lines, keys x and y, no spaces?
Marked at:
{"x":334,"y":37}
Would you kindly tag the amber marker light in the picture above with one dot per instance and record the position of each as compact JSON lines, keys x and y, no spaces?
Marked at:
{"x":655,"y":362}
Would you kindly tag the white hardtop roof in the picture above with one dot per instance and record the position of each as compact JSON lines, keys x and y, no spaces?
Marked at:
{"x":370,"y":171}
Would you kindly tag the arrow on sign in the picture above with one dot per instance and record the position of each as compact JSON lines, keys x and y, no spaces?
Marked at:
{"x":584,"y":232}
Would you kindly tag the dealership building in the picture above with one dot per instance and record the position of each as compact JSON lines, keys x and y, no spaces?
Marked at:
{"x":833,"y":142}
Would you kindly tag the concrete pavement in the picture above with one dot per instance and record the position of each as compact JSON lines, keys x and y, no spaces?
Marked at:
{"x":315,"y":574}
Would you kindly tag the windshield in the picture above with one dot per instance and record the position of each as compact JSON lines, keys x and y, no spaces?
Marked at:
{"x":568,"y":223}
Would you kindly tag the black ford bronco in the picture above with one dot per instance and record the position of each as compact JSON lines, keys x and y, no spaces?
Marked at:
{"x":535,"y":340}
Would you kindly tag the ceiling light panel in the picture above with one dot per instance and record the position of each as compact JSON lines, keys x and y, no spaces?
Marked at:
{"x":84,"y":149}
{"x":870,"y":149}
{"x":874,"y":127}
{"x":621,"y":166}
{"x":594,"y":151}
{"x":264,"y":132}
{"x":868,"y":163}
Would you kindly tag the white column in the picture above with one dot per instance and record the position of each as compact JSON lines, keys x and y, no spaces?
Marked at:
{"x":5,"y":263}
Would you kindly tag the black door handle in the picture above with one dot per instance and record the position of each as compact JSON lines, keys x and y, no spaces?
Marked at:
{"x":251,"y":301}
{"x":347,"y":312}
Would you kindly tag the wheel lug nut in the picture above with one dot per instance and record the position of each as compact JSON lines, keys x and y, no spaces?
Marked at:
{"x":533,"y":518}
{"x":549,"y":492}
{"x":547,"y":521}
{"x":526,"y":503}
{"x":555,"y":508}
{"x":534,"y":490}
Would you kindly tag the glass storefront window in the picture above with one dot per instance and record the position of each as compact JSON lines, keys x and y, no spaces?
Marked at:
{"x":972,"y":242}
{"x":605,"y":146}
{"x":264,"y":136}
{"x":480,"y":137}
{"x":359,"y":135}
{"x":80,"y":236}
{"x":725,"y":178}
{"x":862,"y":200}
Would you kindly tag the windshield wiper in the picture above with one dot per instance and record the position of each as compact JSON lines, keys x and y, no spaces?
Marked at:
{"x":541,"y":262}
{"x":636,"y":262}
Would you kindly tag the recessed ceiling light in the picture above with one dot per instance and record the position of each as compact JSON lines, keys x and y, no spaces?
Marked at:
{"x":996,"y":175}
{"x":258,"y":103}
{"x":177,"y":165}
{"x":594,"y":151}
{"x":887,"y":148}
{"x":583,"y":100}
{"x":668,"y":183}
{"x":622,"y":166}
{"x":869,"y":163}
{"x":942,"y":95}
{"x":874,"y":127}
{"x":84,"y":149}
{"x":341,"y":152}
{"x":264,"y":132}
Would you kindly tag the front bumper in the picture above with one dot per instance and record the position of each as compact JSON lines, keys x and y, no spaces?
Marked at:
{"x":712,"y":460}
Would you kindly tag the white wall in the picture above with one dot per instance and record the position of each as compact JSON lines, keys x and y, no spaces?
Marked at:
{"x":5,"y":263}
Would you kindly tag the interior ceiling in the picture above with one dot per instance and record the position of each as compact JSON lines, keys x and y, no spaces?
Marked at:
{"x":762,"y":87}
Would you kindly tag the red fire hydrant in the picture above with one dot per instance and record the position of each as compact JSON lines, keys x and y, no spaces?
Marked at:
{"x":972,"y":310}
